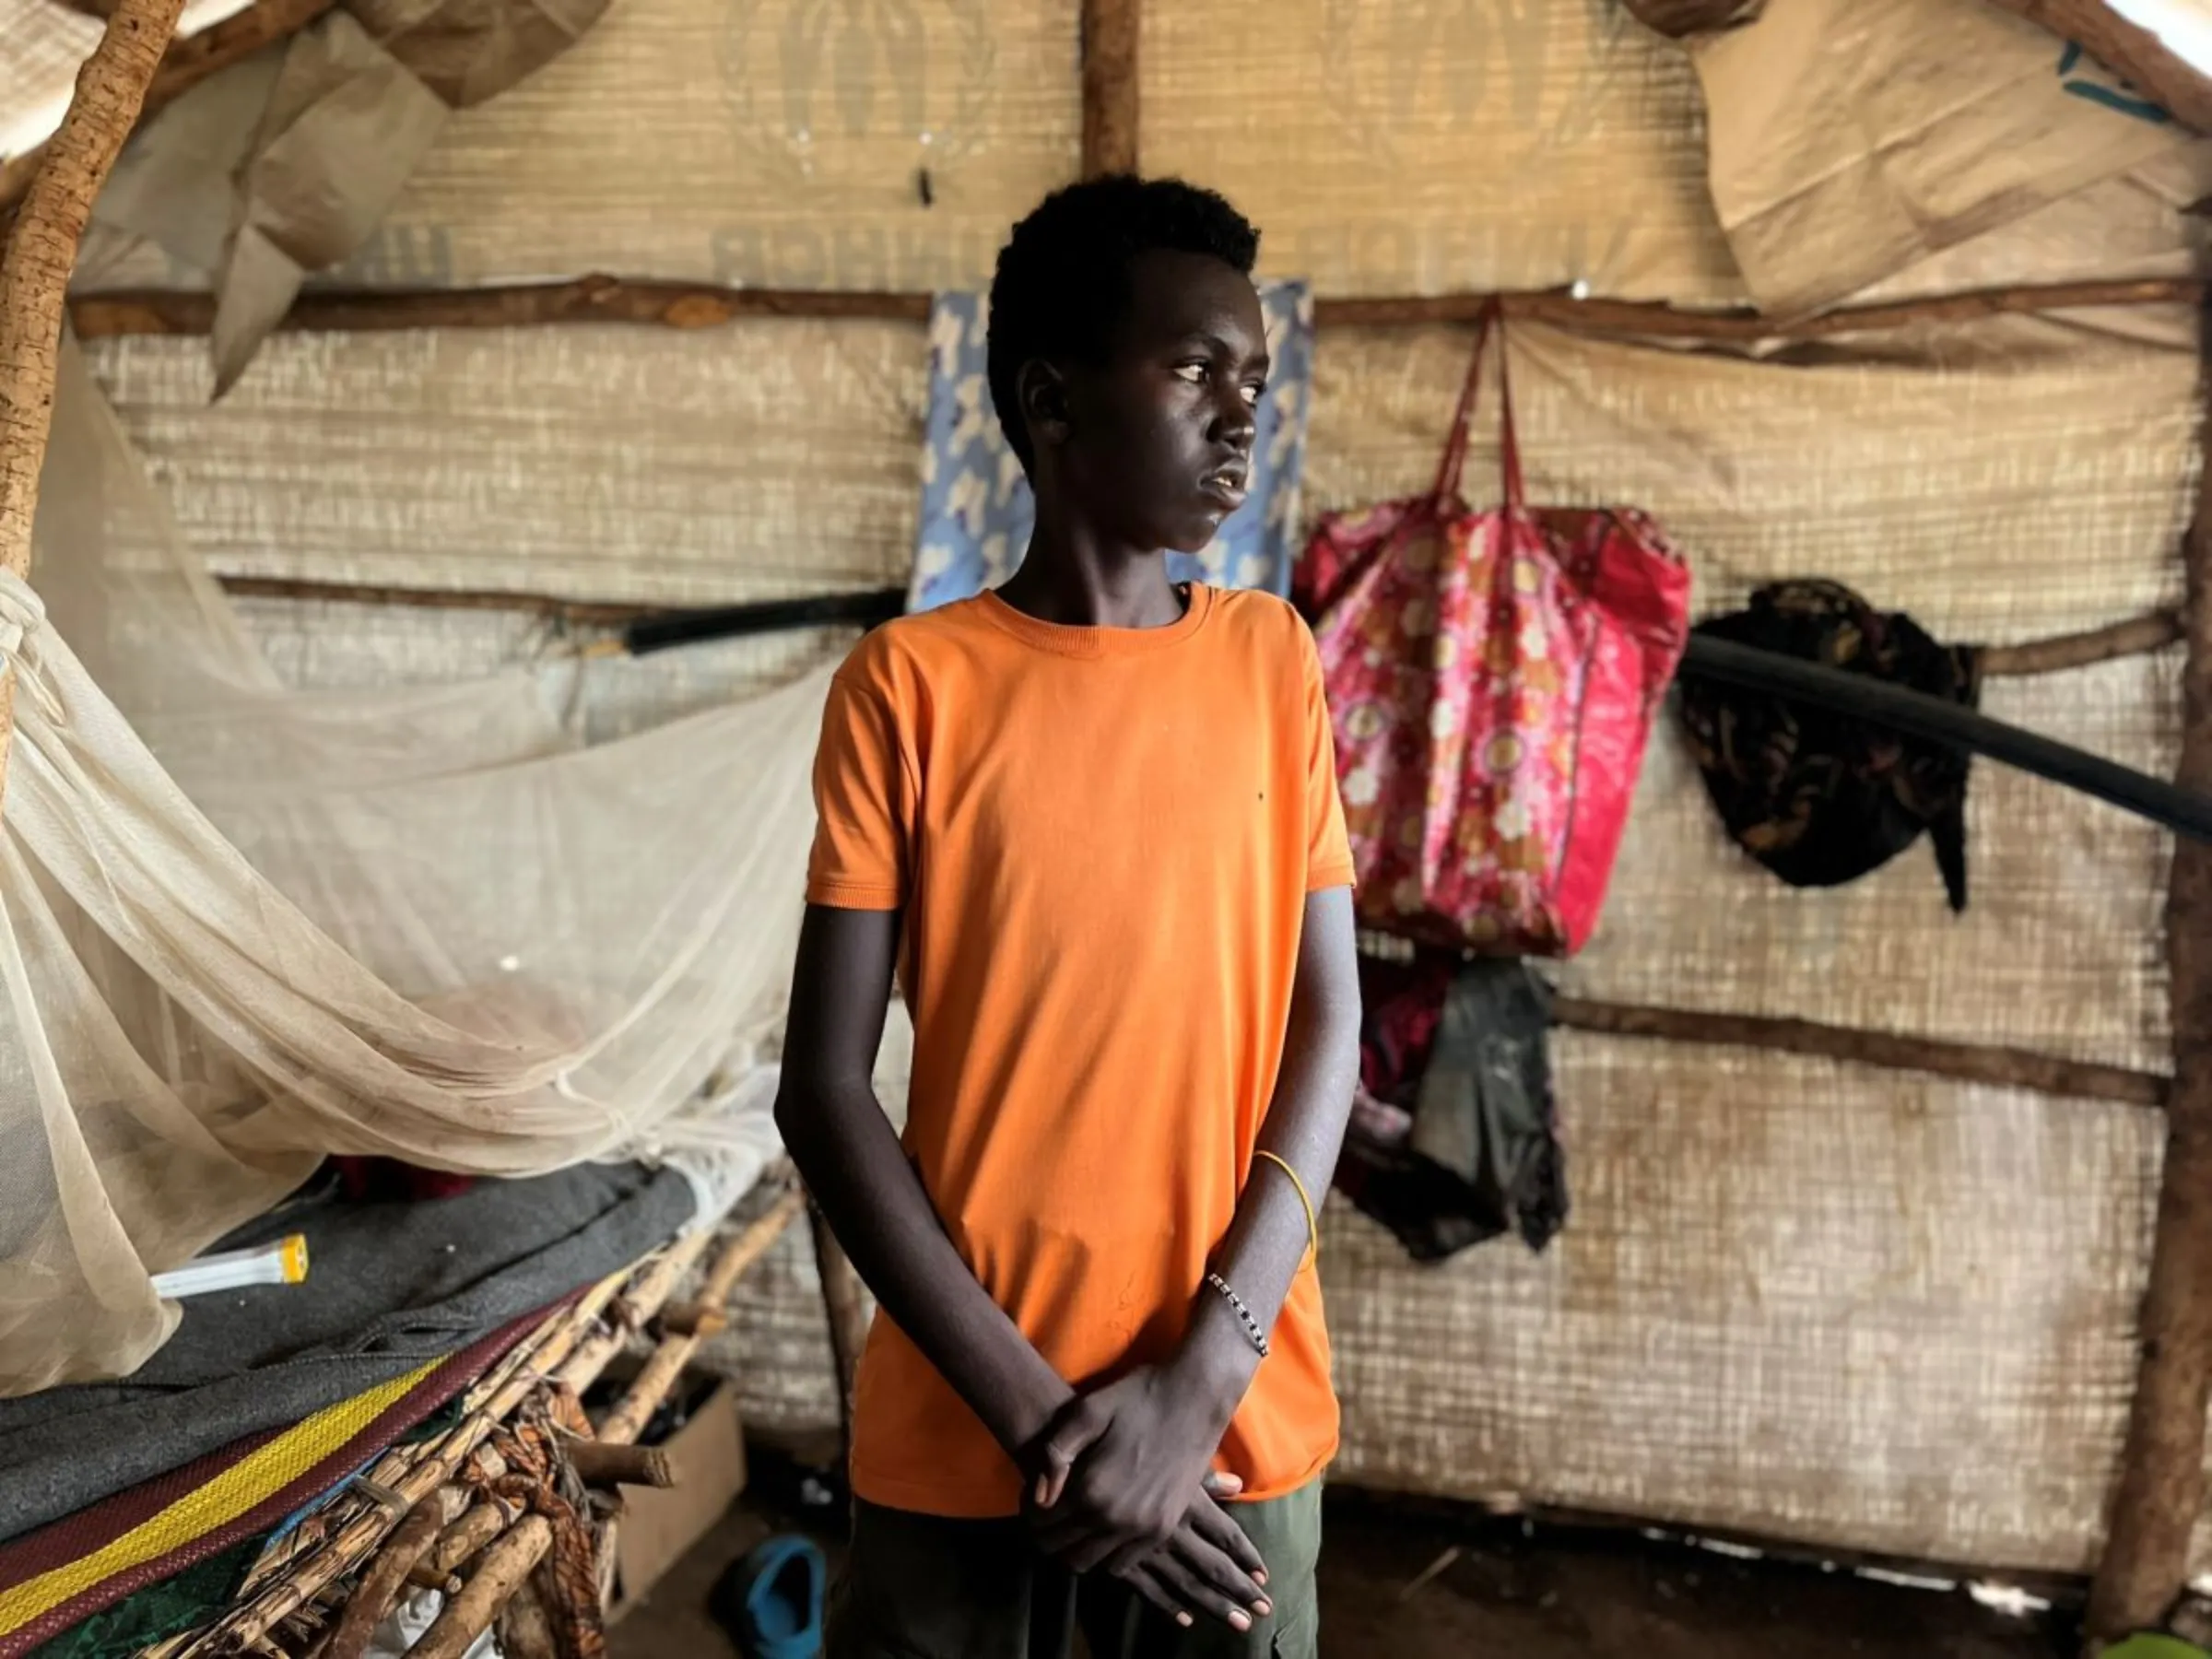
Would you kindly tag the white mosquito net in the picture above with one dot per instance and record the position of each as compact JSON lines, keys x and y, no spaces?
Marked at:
{"x":246,"y":927}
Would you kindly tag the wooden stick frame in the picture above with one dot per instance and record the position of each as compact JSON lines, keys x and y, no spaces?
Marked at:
{"x":1110,"y":29}
{"x":2160,"y":1489}
{"x":41,"y":253}
{"x":605,"y":299}
{"x":2137,"y":636}
{"x":1963,"y":1062}
{"x":2160,"y":1494}
{"x":283,"y":1584}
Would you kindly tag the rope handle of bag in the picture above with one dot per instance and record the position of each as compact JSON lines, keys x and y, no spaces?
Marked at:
{"x":1455,"y":446}
{"x":1443,"y":497}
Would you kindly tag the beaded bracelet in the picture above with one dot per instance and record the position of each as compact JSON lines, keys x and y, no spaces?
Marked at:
{"x":1252,"y":1325}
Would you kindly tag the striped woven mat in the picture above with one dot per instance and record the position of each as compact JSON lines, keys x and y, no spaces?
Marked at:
{"x":59,"y":1575}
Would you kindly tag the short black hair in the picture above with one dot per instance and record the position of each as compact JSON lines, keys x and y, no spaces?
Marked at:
{"x":1063,"y":278}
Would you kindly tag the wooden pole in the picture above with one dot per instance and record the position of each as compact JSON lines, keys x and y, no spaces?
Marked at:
{"x":1110,"y":29}
{"x":386,"y":1574}
{"x":639,"y":1300}
{"x":41,"y":253}
{"x":600,"y":1465}
{"x":459,"y":1543}
{"x":665,"y":1364}
{"x":2137,"y":636}
{"x":1966,"y":1062}
{"x":506,"y":1564}
{"x":603,"y":298}
{"x":2161,"y":1487}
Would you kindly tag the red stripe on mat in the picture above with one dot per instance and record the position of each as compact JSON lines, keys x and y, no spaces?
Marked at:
{"x":75,"y":1536}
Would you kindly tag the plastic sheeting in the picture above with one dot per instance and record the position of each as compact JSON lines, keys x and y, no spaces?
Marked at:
{"x":48,"y":42}
{"x":1853,"y":139}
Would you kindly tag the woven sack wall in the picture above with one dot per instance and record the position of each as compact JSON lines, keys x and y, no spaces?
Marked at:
{"x":1800,"y":1300}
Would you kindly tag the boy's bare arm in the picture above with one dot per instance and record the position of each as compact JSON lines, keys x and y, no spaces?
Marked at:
{"x":1266,"y":1243}
{"x":1119,"y":1455}
{"x":839,"y":1137}
{"x":843,"y":1143}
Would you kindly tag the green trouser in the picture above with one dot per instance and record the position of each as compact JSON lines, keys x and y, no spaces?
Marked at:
{"x":921,"y":1587}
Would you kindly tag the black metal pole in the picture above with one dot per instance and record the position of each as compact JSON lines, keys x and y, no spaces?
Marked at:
{"x":2183,"y":811}
{"x":769,"y":616}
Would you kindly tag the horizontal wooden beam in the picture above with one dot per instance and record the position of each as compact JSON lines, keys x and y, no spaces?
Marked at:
{"x":1963,"y":1062}
{"x":185,"y":64}
{"x":2136,"y":637}
{"x":1653,"y":321}
{"x":587,"y":299}
{"x":692,"y":305}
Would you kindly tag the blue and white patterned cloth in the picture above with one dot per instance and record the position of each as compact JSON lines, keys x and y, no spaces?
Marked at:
{"x":976,"y":507}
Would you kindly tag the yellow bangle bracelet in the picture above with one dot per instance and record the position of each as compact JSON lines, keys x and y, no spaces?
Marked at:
{"x":1312,"y":1227}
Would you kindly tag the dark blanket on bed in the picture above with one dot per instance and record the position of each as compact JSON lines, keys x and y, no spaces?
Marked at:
{"x":390,"y":1286}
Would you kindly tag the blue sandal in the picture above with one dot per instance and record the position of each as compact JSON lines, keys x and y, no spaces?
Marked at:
{"x":778,"y":1590}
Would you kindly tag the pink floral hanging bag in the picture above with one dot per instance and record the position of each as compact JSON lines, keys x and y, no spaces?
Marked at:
{"x":1492,"y":677}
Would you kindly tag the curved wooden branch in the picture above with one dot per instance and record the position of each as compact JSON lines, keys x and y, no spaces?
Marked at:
{"x":458,"y":1544}
{"x":41,"y":253}
{"x":639,"y":1302}
{"x":506,"y":1564}
{"x":413,"y":1472}
{"x":387,"y":1573}
{"x":34,"y":272}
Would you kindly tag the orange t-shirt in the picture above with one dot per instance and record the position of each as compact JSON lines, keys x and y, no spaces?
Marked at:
{"x":1102,"y":840}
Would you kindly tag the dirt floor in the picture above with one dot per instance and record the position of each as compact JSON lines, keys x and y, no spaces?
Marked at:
{"x":1423,"y":1583}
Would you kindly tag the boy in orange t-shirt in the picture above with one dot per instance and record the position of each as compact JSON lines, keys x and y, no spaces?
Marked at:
{"x":1090,"y":821}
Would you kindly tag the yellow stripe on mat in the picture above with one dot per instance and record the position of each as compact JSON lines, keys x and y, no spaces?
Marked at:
{"x":251,"y":1480}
